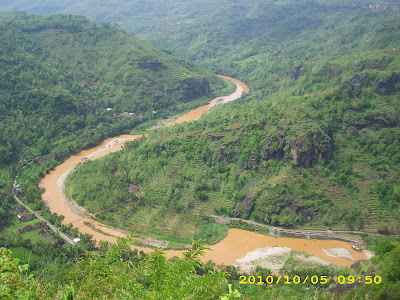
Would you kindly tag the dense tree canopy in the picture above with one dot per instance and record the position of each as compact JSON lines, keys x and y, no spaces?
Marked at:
{"x":67,"y":81}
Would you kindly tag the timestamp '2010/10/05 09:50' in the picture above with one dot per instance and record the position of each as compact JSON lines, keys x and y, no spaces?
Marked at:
{"x":308,"y":279}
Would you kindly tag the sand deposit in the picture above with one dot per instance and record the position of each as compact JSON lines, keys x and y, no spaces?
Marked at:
{"x":311,"y":259}
{"x":272,"y":258}
{"x":338,"y":252}
{"x":369,"y":254}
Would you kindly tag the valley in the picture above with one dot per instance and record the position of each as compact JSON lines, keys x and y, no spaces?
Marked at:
{"x":109,"y":189}
{"x":53,"y":183}
{"x":236,"y":243}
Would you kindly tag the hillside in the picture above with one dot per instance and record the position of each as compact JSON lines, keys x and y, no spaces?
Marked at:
{"x":283,"y":160}
{"x":223,"y":34}
{"x":66,"y":80}
{"x":66,"y":84}
{"x":315,"y":145}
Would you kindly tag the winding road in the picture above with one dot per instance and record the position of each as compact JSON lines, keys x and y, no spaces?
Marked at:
{"x":236,"y":245}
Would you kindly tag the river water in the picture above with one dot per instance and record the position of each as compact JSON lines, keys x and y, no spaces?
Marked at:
{"x":237,"y":243}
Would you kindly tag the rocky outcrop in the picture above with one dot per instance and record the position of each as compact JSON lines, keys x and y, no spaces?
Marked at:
{"x":374,"y":63}
{"x":273,"y":148}
{"x":193,"y":87}
{"x":296,"y":72}
{"x":267,"y":208}
{"x":226,"y":153}
{"x":244,"y":208}
{"x":352,"y":131}
{"x":306,"y":150}
{"x":328,"y":69}
{"x":384,"y":86}
{"x":388,"y":85}
{"x":357,"y":81}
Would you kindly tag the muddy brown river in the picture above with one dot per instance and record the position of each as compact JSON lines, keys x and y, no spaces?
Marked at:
{"x":237,"y":243}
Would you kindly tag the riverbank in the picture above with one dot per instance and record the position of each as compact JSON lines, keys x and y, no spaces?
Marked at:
{"x":235,"y":246}
{"x":57,"y":200}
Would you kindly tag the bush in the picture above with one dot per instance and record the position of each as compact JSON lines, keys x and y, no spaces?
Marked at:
{"x":383,"y":229}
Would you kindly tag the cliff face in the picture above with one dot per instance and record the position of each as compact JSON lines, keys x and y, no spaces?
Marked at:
{"x":304,"y":150}
{"x":193,"y":87}
{"x":308,"y":149}
{"x":244,"y":208}
{"x":389,"y":84}
{"x":273,"y":148}
{"x":385,"y":85}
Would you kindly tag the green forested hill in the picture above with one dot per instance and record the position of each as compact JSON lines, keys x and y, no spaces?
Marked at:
{"x":222,"y":34}
{"x":67,"y":83}
{"x":315,"y":144}
{"x":325,"y":158}
{"x":244,"y":37}
{"x":59,"y":74}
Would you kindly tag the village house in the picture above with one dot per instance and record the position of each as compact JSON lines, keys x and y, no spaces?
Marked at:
{"x":19,"y":208}
{"x":25,"y":217}
{"x":18,"y":188}
{"x":44,"y":159}
{"x":128,"y":114}
{"x":45,"y":234}
{"x":39,"y":225}
{"x":26,"y":229}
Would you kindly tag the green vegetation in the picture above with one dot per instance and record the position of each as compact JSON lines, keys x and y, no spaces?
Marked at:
{"x":277,"y":160}
{"x":314,"y":144}
{"x":68,"y":83}
{"x":59,"y":74}
{"x":116,"y":271}
{"x":246,"y":226}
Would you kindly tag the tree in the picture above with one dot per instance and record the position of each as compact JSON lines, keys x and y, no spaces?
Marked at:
{"x":109,"y":276}
{"x":392,"y":265}
{"x":14,"y":284}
